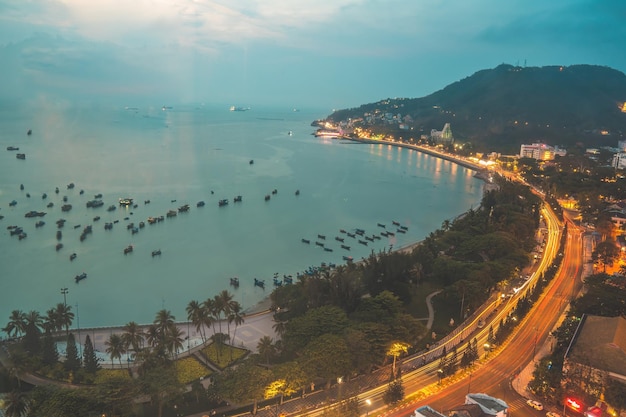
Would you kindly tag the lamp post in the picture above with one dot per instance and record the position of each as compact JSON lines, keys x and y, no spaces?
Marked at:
{"x":487,"y":346}
{"x":64,"y":291}
{"x":470,"y":383}
{"x":535,"y":343}
{"x":80,"y":346}
{"x":440,"y":374}
{"x":368,"y":403}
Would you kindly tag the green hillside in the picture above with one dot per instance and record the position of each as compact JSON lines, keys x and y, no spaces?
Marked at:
{"x":498,"y":109}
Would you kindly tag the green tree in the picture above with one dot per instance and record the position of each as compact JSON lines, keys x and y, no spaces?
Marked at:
{"x":605,"y":253}
{"x":327,"y":357}
{"x":235,"y":317}
{"x":195,"y":314}
{"x":115,"y":347}
{"x":247,"y":382}
{"x":54,"y":401}
{"x":64,"y":316}
{"x":31,"y":341}
{"x":161,"y":385}
{"x":16,"y":325}
{"x":50,"y":355}
{"x":16,"y":404}
{"x":72,"y":361}
{"x":133,"y":337}
{"x":266,"y":348}
{"x":394,"y":393}
{"x":90,"y":361}
{"x":615,"y":395}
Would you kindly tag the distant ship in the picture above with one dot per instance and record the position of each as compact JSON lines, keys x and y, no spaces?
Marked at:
{"x":166,"y":108}
{"x":326,"y":133}
{"x":235,"y":108}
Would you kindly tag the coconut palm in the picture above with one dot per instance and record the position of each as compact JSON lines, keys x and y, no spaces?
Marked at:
{"x":164,"y":321}
{"x":174,"y":340}
{"x":133,"y":336}
{"x":236,"y":317}
{"x":16,"y":404}
{"x":195,"y":314}
{"x":16,"y":325}
{"x":279,"y":326}
{"x":210,"y":313}
{"x":266,"y":348}
{"x":51,"y":321}
{"x":115,"y":347}
{"x":65,"y":316}
{"x":152,"y":335}
{"x":33,"y":318}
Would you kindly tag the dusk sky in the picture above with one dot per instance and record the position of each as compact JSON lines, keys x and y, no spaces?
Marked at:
{"x":294,"y":53}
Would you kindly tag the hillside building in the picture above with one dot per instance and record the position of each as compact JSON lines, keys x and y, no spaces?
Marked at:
{"x":541,"y":151}
{"x":444,"y":136}
{"x":426,"y":411}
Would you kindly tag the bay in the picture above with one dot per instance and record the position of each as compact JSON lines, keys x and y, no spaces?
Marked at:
{"x":183,"y":155}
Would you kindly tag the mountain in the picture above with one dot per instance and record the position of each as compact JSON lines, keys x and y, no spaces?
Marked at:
{"x":498,"y":109}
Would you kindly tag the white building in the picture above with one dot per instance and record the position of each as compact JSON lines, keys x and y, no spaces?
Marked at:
{"x":619,"y":160}
{"x":426,"y":411}
{"x":443,"y":136}
{"x":490,"y":405}
{"x":541,"y":151}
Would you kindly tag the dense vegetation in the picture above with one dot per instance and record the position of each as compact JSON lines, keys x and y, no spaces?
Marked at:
{"x":499,"y":109}
{"x":335,"y":322}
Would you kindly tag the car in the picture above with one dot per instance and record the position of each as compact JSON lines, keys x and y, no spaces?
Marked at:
{"x":552,"y":414}
{"x":535,"y":404}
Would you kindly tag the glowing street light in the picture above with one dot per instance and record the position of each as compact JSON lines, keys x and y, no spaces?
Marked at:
{"x":368,"y":403}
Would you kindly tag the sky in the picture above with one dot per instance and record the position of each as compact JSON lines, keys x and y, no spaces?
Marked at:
{"x":296,"y":53}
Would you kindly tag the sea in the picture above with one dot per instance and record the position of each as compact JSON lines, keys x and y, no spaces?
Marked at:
{"x":167,"y":157}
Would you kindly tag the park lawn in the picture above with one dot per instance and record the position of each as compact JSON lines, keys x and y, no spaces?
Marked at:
{"x":227,"y":355}
{"x":189,"y":369}
{"x":418,"y":307}
{"x":104,"y":375}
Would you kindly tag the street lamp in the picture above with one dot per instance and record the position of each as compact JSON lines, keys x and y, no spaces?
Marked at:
{"x":64,"y":291}
{"x":440,"y":374}
{"x":368,"y":403}
{"x":470,"y":383}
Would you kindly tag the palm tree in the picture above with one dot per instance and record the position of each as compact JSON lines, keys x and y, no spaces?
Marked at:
{"x":16,"y":325}
{"x":152,"y":335}
{"x":218,"y":309}
{"x":266,"y":348}
{"x":16,"y":404}
{"x":279,"y":326}
{"x":174,"y":340}
{"x":228,"y":304}
{"x":33,"y":318}
{"x":195,"y":314}
{"x":164,"y":321}
{"x":235,"y":317}
{"x":115,"y":347}
{"x":210,"y":314}
{"x":133,"y":336}
{"x":51,"y":321}
{"x":65,"y":316}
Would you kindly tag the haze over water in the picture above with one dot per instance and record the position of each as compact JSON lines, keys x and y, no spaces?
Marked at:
{"x":182,"y":154}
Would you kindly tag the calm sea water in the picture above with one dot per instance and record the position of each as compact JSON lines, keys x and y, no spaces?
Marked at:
{"x":183,"y":154}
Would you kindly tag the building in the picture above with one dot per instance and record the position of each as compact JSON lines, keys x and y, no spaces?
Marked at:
{"x":598,"y":350}
{"x":444,"y":136}
{"x":491,"y":406}
{"x":541,"y":151}
{"x":426,"y":411}
{"x":619,"y":160}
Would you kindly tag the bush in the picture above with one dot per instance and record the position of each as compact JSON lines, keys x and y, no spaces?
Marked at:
{"x":189,"y":369}
{"x":104,"y":375}
{"x":226,"y":356}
